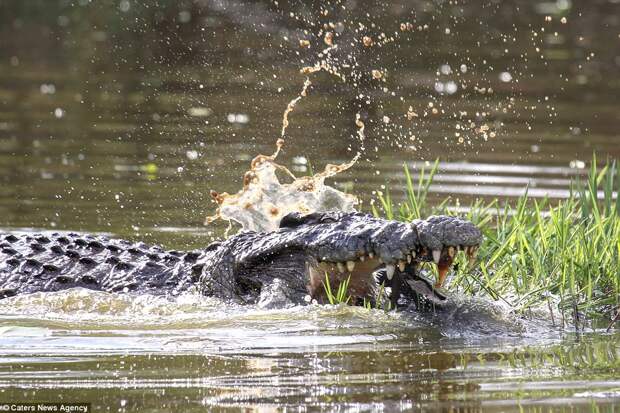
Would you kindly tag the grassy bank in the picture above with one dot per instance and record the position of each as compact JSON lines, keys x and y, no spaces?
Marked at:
{"x":564,"y":256}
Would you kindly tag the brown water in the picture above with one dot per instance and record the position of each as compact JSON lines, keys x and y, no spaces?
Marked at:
{"x":117,"y":117}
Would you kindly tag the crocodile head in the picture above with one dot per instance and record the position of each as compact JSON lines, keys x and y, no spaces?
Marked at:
{"x":337,"y":245}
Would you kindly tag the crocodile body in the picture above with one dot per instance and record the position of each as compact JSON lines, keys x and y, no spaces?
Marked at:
{"x":248,"y":267}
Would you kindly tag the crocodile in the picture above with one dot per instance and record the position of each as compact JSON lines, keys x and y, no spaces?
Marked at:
{"x":287,"y":266}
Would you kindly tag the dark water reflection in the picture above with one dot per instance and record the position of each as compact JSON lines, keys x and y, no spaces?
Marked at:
{"x":120,"y":116}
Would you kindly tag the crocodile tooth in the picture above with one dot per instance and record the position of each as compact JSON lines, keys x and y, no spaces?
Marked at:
{"x":409,"y":258}
{"x":436,"y":256}
{"x":371,"y":255}
{"x":413,"y":254}
{"x":473,"y":251}
{"x":401,"y":265}
{"x":340,"y":266}
{"x":350,"y":266}
{"x":389,"y":271}
{"x":451,"y":252}
{"x":362,"y":258}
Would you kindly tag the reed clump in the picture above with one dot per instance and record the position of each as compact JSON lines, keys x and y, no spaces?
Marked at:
{"x":562,"y":256}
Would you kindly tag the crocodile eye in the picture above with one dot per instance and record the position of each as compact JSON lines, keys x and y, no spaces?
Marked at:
{"x":213,"y":246}
{"x":295,"y":219}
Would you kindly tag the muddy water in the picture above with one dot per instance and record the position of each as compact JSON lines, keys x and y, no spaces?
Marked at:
{"x":119,"y":118}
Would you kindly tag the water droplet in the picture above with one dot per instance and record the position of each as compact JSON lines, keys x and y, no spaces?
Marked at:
{"x":505,"y":77}
{"x":184,"y":16}
{"x":577,"y":164}
{"x":47,"y":89}
{"x":238,"y":118}
{"x":445,"y":69}
{"x":199,"y":111}
{"x":124,"y":6}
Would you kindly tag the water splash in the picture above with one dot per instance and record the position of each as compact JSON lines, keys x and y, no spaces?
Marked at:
{"x":196,"y":320}
{"x":264,"y":199}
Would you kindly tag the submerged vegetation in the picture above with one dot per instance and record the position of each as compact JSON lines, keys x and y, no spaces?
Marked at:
{"x":563,"y":257}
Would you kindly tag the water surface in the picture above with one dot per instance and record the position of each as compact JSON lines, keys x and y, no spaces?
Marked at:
{"x":151,"y":354}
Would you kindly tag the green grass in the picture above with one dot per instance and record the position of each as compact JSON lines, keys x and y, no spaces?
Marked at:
{"x":341,"y":296}
{"x":381,"y":302}
{"x":565,"y":255}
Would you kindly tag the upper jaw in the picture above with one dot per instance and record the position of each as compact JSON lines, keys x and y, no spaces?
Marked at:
{"x":360,"y":238}
{"x":439,"y":231}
